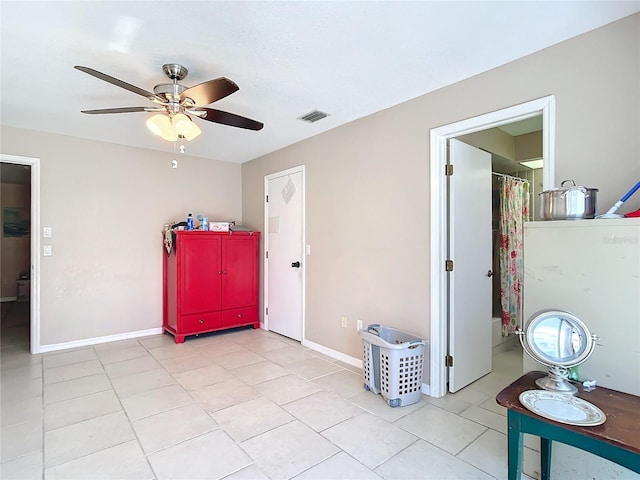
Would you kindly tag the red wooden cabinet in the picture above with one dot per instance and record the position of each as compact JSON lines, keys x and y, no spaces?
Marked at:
{"x":210,"y":282}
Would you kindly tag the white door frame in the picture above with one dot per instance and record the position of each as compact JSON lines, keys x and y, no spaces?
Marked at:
{"x":289,"y":171}
{"x":438,"y":211}
{"x":34,"y":301}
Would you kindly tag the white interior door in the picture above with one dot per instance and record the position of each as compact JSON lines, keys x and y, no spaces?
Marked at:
{"x":285,"y":261}
{"x":470,"y":285}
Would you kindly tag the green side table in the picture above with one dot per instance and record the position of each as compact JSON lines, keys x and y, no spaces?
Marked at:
{"x":617,"y":439}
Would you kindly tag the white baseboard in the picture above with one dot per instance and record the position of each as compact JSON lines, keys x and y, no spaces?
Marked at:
{"x":157,"y":331}
{"x":333,"y":353}
{"x":8,"y":299}
{"x":97,"y":340}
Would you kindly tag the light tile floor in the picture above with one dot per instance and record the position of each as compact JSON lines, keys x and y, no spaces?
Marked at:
{"x":244,"y":404}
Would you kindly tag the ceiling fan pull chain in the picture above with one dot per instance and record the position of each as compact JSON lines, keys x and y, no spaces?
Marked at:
{"x":174,"y":162}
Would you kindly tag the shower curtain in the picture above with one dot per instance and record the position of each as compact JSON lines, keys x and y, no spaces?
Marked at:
{"x":514,"y":210}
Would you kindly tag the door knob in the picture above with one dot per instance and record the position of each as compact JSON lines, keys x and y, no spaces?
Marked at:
{"x":295,"y":264}
{"x":490,"y":273}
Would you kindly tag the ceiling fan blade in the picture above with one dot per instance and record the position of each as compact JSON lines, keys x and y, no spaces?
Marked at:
{"x":208,"y":92}
{"x":119,"y":83}
{"x":231,"y":119}
{"x":125,"y":110}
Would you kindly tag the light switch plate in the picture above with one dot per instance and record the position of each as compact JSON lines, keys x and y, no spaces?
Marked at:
{"x":47,"y":250}
{"x":46,"y":232}
{"x":307,"y":249}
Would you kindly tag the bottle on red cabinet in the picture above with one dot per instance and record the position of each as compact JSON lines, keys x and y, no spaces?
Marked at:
{"x":190,"y":222}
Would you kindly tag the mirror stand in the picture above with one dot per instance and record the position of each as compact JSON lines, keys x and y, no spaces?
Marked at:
{"x":557,"y":380}
{"x":558,"y":340}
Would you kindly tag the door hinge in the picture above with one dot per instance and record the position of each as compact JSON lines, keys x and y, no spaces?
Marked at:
{"x":266,"y":198}
{"x":266,"y":311}
{"x":448,"y":169}
{"x":266,"y":254}
{"x":448,"y":265}
{"x":448,"y":361}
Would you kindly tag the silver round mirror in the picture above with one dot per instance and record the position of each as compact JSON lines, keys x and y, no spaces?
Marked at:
{"x":560,"y":341}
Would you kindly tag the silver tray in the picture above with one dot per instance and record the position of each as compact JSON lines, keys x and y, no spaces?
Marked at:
{"x":562,"y":408}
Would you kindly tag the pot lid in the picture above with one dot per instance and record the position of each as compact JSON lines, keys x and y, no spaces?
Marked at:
{"x":573,"y":186}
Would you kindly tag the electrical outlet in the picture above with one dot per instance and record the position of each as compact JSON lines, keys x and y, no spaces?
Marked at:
{"x":343,"y":321}
{"x":359,"y":325}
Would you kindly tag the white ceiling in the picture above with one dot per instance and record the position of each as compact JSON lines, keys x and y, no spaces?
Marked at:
{"x":349,"y":59}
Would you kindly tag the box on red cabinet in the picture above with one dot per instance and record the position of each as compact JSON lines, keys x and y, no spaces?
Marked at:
{"x":219,"y":226}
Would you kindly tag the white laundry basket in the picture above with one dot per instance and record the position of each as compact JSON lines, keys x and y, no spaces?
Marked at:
{"x":392,"y":364}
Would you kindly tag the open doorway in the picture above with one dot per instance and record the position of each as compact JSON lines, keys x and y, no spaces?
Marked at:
{"x":15,"y":285}
{"x":500,"y":188}
{"x":19,"y":246}
{"x":440,"y":301}
{"x":516,"y":167}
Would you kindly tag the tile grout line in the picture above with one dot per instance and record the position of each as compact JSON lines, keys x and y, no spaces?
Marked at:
{"x":321,"y":388}
{"x":124,"y":411}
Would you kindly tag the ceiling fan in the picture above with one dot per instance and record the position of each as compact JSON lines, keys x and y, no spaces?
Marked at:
{"x":175,"y":102}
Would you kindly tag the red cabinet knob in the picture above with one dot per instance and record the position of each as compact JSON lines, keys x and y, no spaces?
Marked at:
{"x":201,"y":320}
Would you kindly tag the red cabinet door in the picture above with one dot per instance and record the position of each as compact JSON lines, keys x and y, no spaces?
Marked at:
{"x":200,"y":273}
{"x":239,"y":270}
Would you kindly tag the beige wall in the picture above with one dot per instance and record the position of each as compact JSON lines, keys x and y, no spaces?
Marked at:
{"x":107,"y":205}
{"x":14,"y":250}
{"x":367,"y":205}
{"x":517,"y":148}
{"x":528,"y":146}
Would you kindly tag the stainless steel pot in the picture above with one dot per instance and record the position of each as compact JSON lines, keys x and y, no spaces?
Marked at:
{"x":571,"y":202}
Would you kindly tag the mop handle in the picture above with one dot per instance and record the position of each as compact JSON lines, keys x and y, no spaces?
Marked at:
{"x":630,"y":192}
{"x":617,"y":205}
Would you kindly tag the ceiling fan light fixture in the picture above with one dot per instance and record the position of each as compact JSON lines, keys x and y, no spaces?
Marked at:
{"x":193,"y":132}
{"x":185,"y":127}
{"x":159,"y":124}
{"x":170,"y":134}
{"x":181,"y":123}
